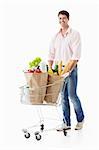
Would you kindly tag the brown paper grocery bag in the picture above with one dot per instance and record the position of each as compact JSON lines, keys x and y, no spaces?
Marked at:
{"x":53,"y":88}
{"x":37,"y":84}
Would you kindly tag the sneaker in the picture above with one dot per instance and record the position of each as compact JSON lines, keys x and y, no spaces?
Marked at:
{"x":79,"y":125}
{"x":63,"y":126}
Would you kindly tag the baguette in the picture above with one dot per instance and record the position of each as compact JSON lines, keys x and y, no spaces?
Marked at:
{"x":60,"y":67}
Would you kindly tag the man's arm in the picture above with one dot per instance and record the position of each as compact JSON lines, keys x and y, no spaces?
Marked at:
{"x":50,"y":63}
{"x":76,"y":48}
{"x":69,"y":66}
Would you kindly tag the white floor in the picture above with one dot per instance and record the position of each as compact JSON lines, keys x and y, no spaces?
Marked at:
{"x":17,"y":116}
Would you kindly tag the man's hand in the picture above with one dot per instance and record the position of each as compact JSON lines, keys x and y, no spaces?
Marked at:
{"x":65,"y":75}
{"x":50,"y":63}
{"x":69,"y":67}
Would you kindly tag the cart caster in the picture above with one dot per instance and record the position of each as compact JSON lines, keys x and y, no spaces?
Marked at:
{"x":65,"y":132}
{"x":37,"y":136}
{"x":42,"y":127}
{"x":27,"y":135}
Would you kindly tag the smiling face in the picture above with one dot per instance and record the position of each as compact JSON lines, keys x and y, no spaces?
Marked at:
{"x":63,"y":20}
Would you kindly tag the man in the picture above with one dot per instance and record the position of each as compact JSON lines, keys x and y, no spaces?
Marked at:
{"x":66,"y":48}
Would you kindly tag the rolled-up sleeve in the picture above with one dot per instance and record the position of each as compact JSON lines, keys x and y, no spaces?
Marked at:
{"x":51,"y":53}
{"x":76,"y":46}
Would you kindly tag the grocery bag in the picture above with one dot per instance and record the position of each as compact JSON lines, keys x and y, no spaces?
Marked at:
{"x":54,"y":85}
{"x":37,"y":86}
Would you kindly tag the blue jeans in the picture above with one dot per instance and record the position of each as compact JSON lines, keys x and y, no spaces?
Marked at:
{"x":69,"y":91}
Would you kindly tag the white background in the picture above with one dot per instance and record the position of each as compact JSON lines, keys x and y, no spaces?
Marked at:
{"x":26,"y":29}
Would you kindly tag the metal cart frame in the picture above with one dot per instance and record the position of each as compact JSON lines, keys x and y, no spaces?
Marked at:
{"x":24,"y":96}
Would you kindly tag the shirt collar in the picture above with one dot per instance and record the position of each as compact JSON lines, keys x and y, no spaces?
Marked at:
{"x":67,"y":32}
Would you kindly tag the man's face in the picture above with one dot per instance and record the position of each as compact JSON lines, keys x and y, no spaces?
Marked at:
{"x":63,"y":20}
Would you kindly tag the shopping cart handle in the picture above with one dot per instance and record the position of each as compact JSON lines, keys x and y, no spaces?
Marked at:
{"x":65,"y":75}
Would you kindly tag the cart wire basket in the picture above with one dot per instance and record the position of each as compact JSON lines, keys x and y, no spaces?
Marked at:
{"x":41,"y":94}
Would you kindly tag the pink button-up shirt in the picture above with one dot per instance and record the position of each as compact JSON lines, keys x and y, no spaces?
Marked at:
{"x":65,"y":48}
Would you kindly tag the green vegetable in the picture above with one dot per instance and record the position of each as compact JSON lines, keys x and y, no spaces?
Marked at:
{"x":56,"y":68}
{"x":35,"y":62}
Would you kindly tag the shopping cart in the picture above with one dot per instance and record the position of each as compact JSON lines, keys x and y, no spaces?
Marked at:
{"x":47,"y":95}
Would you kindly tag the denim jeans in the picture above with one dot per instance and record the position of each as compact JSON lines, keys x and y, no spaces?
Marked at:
{"x":69,"y":93}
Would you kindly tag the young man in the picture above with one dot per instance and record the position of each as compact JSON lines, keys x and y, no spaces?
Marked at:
{"x":66,"y":48}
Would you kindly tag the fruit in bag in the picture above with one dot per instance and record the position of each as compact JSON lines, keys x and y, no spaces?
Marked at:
{"x":50,"y":72}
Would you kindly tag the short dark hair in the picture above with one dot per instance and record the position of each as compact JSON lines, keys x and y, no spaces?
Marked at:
{"x":64,"y":12}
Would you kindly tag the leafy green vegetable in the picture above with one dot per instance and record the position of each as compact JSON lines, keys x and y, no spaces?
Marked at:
{"x":35,"y":62}
{"x":55,"y":68}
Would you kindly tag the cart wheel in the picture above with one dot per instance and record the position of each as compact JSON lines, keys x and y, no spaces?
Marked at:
{"x":65,"y":132}
{"x":42,"y":127}
{"x":27,"y":135}
{"x":37,"y":135}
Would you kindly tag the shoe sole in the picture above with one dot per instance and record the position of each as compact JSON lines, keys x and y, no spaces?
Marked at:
{"x":63,"y":129}
{"x":78,"y":129}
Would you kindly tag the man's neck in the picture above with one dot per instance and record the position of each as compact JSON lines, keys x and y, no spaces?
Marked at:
{"x":64,"y":29}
